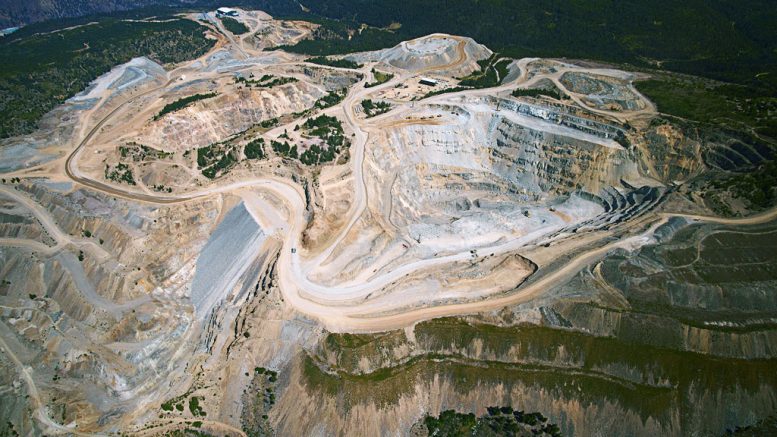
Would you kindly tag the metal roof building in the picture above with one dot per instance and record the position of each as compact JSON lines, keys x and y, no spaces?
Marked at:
{"x":226,"y":12}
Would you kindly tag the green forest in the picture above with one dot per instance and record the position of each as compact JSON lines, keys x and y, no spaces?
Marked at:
{"x":42,"y":70}
{"x":720,"y":39}
{"x":234,"y":26}
{"x":182,"y":103}
{"x":339,"y":63}
{"x":717,"y":39}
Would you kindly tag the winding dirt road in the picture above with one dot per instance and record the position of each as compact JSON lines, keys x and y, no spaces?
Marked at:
{"x":344,"y":308}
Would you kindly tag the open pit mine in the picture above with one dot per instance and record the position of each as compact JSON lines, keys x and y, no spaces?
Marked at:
{"x":254,"y":243}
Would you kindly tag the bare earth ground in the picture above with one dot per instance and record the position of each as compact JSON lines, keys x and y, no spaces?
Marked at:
{"x":454,"y":204}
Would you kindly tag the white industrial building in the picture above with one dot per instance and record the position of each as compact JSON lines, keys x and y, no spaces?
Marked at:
{"x":428,"y":81}
{"x":226,"y":12}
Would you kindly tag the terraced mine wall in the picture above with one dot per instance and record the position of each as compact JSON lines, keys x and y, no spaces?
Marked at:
{"x":540,"y":162}
{"x":560,"y":114}
{"x":655,"y":342}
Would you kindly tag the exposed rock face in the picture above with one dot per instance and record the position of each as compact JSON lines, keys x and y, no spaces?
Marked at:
{"x":603,"y":93}
{"x":95,"y":325}
{"x":238,"y":235}
{"x":624,"y":347}
{"x":330,"y":195}
{"x":557,"y":223}
{"x":272,"y":33}
{"x":212,"y":120}
{"x":18,"y":223}
{"x":456,"y":54}
{"x":471,"y":173}
{"x":641,"y":401}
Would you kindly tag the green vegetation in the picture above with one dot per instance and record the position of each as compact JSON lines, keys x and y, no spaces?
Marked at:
{"x":272,"y":375}
{"x":735,"y":106}
{"x":41,"y":70}
{"x":568,"y":364}
{"x":492,"y":72}
{"x":258,"y":401}
{"x":724,"y":257}
{"x":757,"y":189}
{"x":349,"y":341}
{"x":234,"y":26}
{"x":255,"y":149}
{"x":139,"y":152}
{"x":502,"y":421}
{"x":445,"y":91}
{"x":380,"y":78}
{"x":269,"y":124}
{"x":9,"y":429}
{"x":330,"y":131}
{"x":451,"y":423}
{"x":172,"y":404}
{"x":339,"y":63}
{"x":719,"y":110}
{"x":717,"y":38}
{"x":765,"y":427}
{"x":182,"y":103}
{"x":161,"y":188}
{"x":331,"y":99}
{"x":339,"y":37}
{"x":119,"y":173}
{"x":284,"y":149}
{"x":195,"y":408}
{"x":537,"y":92}
{"x":187,"y":432}
{"x":217,"y":159}
{"x":695,"y":264}
{"x":266,"y":81}
{"x":375,"y":108}
{"x":176,"y":403}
